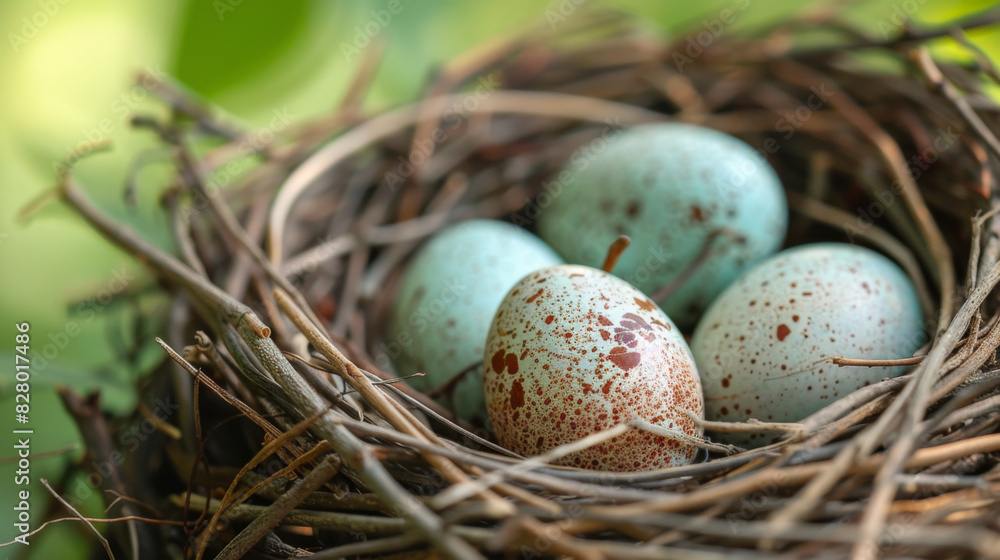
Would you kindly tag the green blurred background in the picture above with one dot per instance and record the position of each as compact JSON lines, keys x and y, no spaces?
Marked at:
{"x":67,"y":71}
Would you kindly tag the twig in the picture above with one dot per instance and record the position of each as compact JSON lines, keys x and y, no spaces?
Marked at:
{"x":933,"y":74}
{"x":750,"y":426}
{"x":615,"y":251}
{"x":377,"y":399}
{"x":896,"y":162}
{"x":104,"y":542}
{"x":43,"y":454}
{"x":254,"y":333}
{"x":276,"y":512}
{"x":125,"y":519}
{"x":459,"y":492}
{"x":799,"y":474}
{"x":685,"y":439}
{"x":373,"y":525}
{"x":233,"y":498}
{"x":703,"y":255}
{"x":382,"y":126}
{"x":403,"y":541}
{"x":844,"y":362}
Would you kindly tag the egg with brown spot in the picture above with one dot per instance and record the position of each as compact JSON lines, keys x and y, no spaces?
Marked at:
{"x":574,"y":350}
{"x":763,"y":347}
{"x":700,"y":206}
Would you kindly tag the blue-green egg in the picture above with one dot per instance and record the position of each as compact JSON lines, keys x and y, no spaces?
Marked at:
{"x":763,"y":347}
{"x":700,"y":206}
{"x":449,"y":293}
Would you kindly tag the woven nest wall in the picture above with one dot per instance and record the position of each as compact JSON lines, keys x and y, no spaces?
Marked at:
{"x":293,"y":438}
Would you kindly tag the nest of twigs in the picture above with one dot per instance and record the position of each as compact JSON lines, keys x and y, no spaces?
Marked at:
{"x":291,"y":438}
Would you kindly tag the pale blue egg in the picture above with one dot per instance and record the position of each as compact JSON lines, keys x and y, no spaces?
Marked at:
{"x":763,"y":347}
{"x":449,"y":293}
{"x":675,"y":189}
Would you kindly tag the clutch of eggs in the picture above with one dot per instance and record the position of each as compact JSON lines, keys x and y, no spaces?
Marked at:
{"x":573,"y":350}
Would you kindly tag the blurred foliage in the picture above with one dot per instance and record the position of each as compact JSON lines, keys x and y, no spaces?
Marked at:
{"x":211,"y":58}
{"x":69,"y":69}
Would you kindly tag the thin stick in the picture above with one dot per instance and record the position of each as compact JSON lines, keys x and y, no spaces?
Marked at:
{"x":893,"y":157}
{"x":750,"y":426}
{"x":615,"y":251}
{"x":233,"y":498}
{"x":373,"y":525}
{"x":837,"y":218}
{"x":276,"y":512}
{"x":884,"y":484}
{"x":236,"y":403}
{"x":123,"y":519}
{"x":104,"y":542}
{"x":403,"y":541}
{"x":685,"y":439}
{"x":800,"y":474}
{"x":933,"y":74}
{"x":700,"y":259}
{"x":374,"y":397}
{"x":844,"y":362}
{"x":254,"y":334}
{"x":517,"y":102}
{"x":460,"y":492}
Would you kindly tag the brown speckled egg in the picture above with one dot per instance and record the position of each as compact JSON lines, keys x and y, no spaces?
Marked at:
{"x":763,"y":346}
{"x":573,"y":350}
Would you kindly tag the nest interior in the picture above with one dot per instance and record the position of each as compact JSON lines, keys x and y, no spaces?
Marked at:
{"x":293,"y":439}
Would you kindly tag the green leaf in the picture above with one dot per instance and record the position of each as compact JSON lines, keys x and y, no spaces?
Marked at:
{"x":225,"y":42}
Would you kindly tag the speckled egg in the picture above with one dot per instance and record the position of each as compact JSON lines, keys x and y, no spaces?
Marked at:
{"x":676,"y":190}
{"x":762,"y":348}
{"x":574,"y":350}
{"x":446,"y":301}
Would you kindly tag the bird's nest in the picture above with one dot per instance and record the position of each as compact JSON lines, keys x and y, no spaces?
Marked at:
{"x":291,"y":437}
